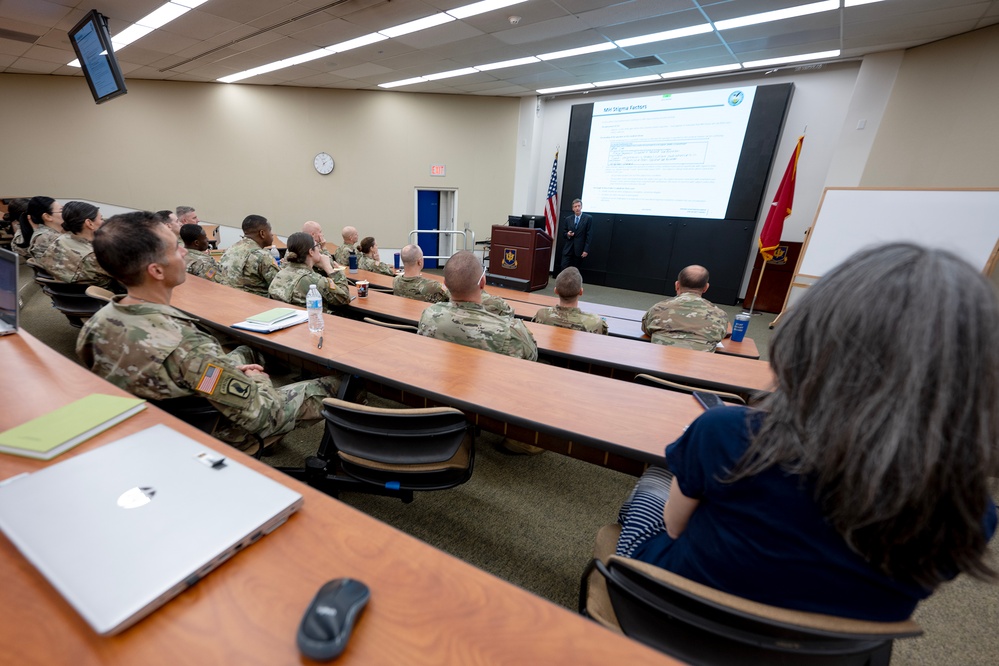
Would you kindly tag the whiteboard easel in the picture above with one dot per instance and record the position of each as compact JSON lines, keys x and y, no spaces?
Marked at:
{"x":963,"y":221}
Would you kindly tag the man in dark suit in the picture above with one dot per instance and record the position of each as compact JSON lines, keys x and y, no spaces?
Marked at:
{"x":576,"y":231}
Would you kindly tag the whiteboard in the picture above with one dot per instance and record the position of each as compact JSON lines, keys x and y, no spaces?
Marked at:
{"x":965,"y":222}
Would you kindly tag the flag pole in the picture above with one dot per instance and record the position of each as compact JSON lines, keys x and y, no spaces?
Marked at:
{"x":763,"y":267}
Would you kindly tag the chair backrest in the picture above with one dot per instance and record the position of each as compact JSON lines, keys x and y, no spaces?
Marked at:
{"x":701,"y":625}
{"x":395,"y":436}
{"x":388,"y":324}
{"x":194,"y":410}
{"x":659,"y":382}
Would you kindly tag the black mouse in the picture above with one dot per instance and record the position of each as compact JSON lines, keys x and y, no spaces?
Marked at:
{"x":330,"y":618}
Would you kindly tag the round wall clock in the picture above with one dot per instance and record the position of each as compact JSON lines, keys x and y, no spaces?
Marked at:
{"x":324,"y":163}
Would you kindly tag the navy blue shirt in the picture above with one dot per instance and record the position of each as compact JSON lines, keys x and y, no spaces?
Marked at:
{"x":764,"y":537}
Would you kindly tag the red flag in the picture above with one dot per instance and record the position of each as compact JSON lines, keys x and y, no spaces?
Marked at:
{"x":551,"y":204}
{"x":780,"y":208}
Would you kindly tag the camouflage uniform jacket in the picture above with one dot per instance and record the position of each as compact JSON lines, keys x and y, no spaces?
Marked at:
{"x":157,"y":352}
{"x":366,"y":263}
{"x":342,"y":254}
{"x":15,"y":243}
{"x":40,"y":241}
{"x":203,"y":265}
{"x":248,"y":267}
{"x":497,"y":305}
{"x":688,"y":321}
{"x":419,"y":288}
{"x":573,"y":318}
{"x":71,"y":259}
{"x":291,"y":284}
{"x":470,"y":324}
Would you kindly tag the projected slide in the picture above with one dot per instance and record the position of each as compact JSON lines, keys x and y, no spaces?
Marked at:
{"x":673,"y":155}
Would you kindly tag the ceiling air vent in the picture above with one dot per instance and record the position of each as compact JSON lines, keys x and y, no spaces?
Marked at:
{"x":636,"y":63}
{"x":18,"y":36}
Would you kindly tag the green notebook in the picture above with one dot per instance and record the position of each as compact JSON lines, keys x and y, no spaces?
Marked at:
{"x":50,"y":434}
{"x":272,"y":316}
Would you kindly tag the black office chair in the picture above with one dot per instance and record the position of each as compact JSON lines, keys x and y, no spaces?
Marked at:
{"x":700,"y":625}
{"x":391,"y":452}
{"x":194,"y":410}
{"x":70,"y":299}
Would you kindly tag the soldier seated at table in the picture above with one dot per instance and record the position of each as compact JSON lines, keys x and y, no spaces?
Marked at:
{"x":315,"y":230}
{"x":143,"y":345}
{"x":246,"y":264}
{"x":292,"y":282}
{"x":369,"y":260}
{"x":411,"y":284}
{"x":347,"y":247}
{"x":199,"y":261}
{"x":568,"y":288}
{"x":688,"y":320}
{"x":70,"y":258}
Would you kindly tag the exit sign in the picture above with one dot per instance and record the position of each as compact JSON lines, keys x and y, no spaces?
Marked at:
{"x":438,"y":170}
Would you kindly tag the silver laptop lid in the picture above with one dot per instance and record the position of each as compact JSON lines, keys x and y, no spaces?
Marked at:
{"x":121,"y":529}
{"x":8,"y":292}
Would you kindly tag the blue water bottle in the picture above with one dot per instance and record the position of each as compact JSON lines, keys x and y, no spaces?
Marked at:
{"x":352,"y":262}
{"x":740,"y":326}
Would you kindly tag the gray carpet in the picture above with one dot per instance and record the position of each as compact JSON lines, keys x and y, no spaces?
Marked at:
{"x":532,"y":520}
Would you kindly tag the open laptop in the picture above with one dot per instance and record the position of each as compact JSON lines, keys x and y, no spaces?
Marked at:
{"x":8,"y":292}
{"x":122,"y":529}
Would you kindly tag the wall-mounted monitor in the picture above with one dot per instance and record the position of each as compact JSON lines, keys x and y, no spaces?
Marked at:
{"x":92,"y":43}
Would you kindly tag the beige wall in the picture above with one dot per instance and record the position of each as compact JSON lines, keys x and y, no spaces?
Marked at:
{"x":230,"y":150}
{"x":939,"y":128}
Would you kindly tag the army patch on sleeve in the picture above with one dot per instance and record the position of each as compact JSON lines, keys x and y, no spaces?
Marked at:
{"x":209,"y":379}
{"x":236,"y":387}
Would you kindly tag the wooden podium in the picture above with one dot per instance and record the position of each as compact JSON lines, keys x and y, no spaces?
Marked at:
{"x":519,"y":258}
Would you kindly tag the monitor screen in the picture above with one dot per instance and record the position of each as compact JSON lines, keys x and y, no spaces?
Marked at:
{"x":92,"y":44}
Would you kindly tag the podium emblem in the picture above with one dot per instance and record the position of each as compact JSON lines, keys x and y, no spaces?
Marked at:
{"x":780,"y":256}
{"x":510,"y":258}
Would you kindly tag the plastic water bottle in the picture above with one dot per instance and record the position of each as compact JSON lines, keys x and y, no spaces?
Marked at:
{"x":314,"y":304}
{"x":276,"y":255}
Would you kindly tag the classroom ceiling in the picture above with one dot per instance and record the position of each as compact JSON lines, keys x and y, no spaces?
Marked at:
{"x":223,"y":37}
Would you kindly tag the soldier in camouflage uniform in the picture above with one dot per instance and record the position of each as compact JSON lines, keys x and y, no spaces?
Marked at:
{"x":143,"y":345}
{"x":247,"y":265}
{"x":16,"y":209}
{"x":413,"y":285}
{"x":45,"y":214}
{"x":291,"y":284}
{"x":315,"y":230}
{"x":688,"y":320}
{"x":369,"y":260}
{"x":347,"y":247}
{"x":569,"y":287}
{"x":466,"y":321}
{"x":199,"y":261}
{"x":70,"y":258}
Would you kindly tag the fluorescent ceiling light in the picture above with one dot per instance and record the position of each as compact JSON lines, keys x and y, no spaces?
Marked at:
{"x":305,"y":57}
{"x":778,"y":15}
{"x":404,"y":82}
{"x":578,"y":86}
{"x":481,"y":7}
{"x":448,"y":75}
{"x":663,"y":36}
{"x":795,"y":58}
{"x":418,"y":24}
{"x":624,"y":82}
{"x":701,"y":71}
{"x":507,"y":63}
{"x":855,"y":3}
{"x":162,"y":16}
{"x":568,"y":53}
{"x":129,"y":35}
{"x":356,"y":43}
{"x":190,"y":4}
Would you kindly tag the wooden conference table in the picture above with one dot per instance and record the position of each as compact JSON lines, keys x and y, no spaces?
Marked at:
{"x":605,"y":354}
{"x":598,"y":419}
{"x":621,"y":322}
{"x":426,"y":606}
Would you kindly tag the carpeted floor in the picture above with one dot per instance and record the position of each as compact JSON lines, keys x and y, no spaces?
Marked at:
{"x":531,"y":519}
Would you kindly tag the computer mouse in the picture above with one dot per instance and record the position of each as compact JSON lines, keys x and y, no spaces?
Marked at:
{"x":329,"y":620}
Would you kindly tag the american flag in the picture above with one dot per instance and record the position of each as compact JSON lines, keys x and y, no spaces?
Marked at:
{"x":551,"y":204}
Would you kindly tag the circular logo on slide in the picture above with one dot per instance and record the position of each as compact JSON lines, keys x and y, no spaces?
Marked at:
{"x":735,"y":99}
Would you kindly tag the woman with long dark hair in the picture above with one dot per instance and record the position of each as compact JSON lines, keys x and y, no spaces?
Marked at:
{"x":863,"y":481}
{"x":42,"y":226}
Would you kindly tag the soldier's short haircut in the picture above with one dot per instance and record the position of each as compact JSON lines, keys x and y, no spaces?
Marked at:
{"x":127,"y":243}
{"x":367,"y":244}
{"x":569,"y":283}
{"x":182,"y":211}
{"x":75,"y":213}
{"x":349,"y":233}
{"x":190,"y":233}
{"x":411,"y":254}
{"x":254,"y":223}
{"x":462,"y":272}
{"x":693,"y":277}
{"x":299,"y":246}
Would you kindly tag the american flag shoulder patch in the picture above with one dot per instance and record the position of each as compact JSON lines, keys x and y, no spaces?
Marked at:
{"x":209,"y":379}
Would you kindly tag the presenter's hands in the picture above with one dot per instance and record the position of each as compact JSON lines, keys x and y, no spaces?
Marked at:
{"x":583,"y":255}
{"x":570,"y":234}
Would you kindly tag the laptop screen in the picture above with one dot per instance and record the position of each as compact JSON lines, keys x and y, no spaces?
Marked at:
{"x":8,"y":291}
